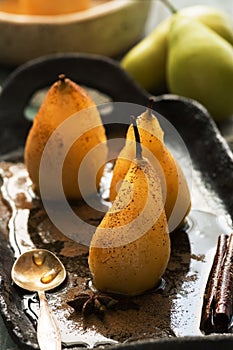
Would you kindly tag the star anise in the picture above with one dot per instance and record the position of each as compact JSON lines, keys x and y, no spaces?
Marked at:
{"x":97,"y":303}
{"x":92,"y":303}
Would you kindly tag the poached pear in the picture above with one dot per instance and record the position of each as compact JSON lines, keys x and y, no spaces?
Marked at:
{"x":175,"y":189}
{"x":200,"y":66}
{"x":64,"y":99}
{"x":130,"y":248}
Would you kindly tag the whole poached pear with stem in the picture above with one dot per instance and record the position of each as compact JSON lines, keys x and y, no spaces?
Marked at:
{"x":130,"y":248}
{"x":63,"y":100}
{"x":175,"y":190}
{"x":200,"y":66}
{"x":146,"y":61}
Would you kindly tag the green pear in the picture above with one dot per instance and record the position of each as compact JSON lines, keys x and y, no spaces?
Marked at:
{"x":146,"y":61}
{"x":216,"y":20}
{"x":200,"y":66}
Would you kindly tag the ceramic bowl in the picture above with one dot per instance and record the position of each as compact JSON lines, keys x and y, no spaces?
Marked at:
{"x":108,"y":28}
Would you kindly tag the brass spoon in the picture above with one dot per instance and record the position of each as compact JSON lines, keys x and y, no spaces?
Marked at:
{"x":40,"y":270}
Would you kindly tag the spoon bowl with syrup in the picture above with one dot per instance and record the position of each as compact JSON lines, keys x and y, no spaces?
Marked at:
{"x":40,"y":270}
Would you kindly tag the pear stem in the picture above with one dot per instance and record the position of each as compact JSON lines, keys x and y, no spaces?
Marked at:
{"x":150,"y":105}
{"x":62,"y":78}
{"x":170,"y":6}
{"x":137,"y":139}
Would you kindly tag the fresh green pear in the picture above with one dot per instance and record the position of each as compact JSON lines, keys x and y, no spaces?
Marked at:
{"x":200,"y":66}
{"x":146,"y":62}
{"x":216,"y":20}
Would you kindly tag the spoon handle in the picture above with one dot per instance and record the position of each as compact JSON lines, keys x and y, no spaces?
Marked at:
{"x":48,"y":333}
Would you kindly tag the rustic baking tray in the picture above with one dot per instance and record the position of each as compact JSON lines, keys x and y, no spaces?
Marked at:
{"x":169,"y":317}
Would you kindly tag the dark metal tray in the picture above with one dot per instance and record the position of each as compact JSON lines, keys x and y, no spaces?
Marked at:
{"x":211,"y":158}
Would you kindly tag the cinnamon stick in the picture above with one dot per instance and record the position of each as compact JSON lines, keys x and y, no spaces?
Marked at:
{"x":211,"y":287}
{"x":224,"y":294}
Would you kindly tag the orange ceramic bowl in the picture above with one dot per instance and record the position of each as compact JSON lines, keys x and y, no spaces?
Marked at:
{"x":106,"y":28}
